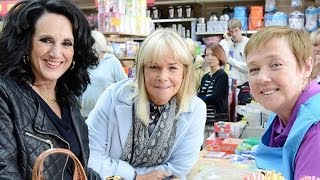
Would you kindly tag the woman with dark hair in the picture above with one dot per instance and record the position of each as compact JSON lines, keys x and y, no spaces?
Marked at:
{"x":45,"y":51}
{"x":214,"y":87}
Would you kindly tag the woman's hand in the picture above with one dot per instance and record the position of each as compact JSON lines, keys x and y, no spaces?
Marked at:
{"x":153,"y":175}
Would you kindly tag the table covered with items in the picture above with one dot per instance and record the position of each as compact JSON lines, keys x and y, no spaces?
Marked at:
{"x":226,"y":156}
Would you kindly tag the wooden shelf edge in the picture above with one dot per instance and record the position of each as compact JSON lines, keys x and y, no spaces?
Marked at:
{"x":220,"y":33}
{"x":87,"y":7}
{"x":117,"y":39}
{"x":118,"y":34}
{"x":175,"y":2}
{"x":126,"y":58}
{"x":226,"y":1}
{"x":174,"y":20}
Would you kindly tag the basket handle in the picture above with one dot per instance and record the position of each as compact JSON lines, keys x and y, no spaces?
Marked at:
{"x":37,"y":172}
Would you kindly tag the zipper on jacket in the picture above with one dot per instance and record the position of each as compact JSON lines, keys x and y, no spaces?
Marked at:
{"x":65,"y":165}
{"x":49,"y":142}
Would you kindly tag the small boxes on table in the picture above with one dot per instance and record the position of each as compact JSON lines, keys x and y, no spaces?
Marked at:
{"x":221,"y":141}
{"x":222,"y":129}
{"x":227,"y":145}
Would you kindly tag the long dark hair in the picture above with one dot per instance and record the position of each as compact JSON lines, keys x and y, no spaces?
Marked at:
{"x":15,"y":44}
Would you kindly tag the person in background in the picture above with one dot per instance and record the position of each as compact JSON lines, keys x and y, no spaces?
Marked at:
{"x":45,"y":50}
{"x":109,"y":71}
{"x":214,"y":88}
{"x":233,"y":44}
{"x":152,"y":126}
{"x":279,"y":67}
{"x":198,"y":62}
{"x":315,"y":40}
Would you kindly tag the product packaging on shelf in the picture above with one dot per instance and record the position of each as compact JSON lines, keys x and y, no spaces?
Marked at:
{"x":256,"y":17}
{"x":217,"y":26}
{"x":124,"y":16}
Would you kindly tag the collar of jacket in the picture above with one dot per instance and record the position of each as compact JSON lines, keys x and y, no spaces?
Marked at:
{"x":43,"y":125}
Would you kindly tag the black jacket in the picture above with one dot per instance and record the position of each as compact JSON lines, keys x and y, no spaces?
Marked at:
{"x":26,"y":131}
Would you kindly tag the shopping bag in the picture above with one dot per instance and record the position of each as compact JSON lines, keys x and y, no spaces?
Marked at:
{"x":37,"y":172}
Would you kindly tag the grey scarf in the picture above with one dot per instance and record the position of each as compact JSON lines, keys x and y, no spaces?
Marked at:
{"x":154,"y":149}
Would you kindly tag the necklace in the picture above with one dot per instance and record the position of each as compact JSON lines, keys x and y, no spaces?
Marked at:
{"x":51,"y":101}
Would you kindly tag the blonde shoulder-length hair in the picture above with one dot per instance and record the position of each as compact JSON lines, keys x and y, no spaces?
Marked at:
{"x":153,"y":48}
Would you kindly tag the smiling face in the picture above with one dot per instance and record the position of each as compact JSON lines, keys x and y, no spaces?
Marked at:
{"x":163,"y":79}
{"x":274,"y":76}
{"x":51,"y":48}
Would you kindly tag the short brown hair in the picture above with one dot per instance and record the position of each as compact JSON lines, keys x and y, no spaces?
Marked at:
{"x":218,"y":51}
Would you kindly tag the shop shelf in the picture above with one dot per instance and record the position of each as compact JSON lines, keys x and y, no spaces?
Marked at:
{"x":219,"y":33}
{"x":123,"y":58}
{"x":174,"y":20}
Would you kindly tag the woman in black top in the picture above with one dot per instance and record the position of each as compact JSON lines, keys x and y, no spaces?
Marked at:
{"x":45,"y":51}
{"x":214,"y":86}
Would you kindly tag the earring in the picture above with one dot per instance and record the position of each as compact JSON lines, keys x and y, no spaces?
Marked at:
{"x":25,"y":59}
{"x":307,"y":87}
{"x":72,"y":66}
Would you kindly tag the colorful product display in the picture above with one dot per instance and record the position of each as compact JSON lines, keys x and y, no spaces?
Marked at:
{"x":256,"y":17}
{"x":124,"y":16}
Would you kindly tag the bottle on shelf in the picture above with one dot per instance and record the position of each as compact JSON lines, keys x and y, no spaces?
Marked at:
{"x":155,"y":13}
{"x":189,"y":12}
{"x":179,"y":12}
{"x":170,"y":12}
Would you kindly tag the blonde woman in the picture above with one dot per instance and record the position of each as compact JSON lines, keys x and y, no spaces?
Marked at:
{"x":150,"y":127}
{"x":108,"y":72}
{"x":315,"y":40}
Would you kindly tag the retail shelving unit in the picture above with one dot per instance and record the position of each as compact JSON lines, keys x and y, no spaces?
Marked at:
{"x":190,"y":23}
{"x":115,"y":37}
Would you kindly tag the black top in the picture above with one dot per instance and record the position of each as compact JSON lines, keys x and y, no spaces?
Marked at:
{"x":214,"y":90}
{"x":66,"y":131}
{"x":28,"y":131}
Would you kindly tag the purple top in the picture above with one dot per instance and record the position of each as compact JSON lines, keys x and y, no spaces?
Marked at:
{"x":308,"y":156}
